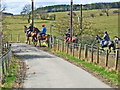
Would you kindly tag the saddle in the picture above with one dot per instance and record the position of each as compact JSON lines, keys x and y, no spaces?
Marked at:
{"x":42,"y":37}
{"x":105,"y":43}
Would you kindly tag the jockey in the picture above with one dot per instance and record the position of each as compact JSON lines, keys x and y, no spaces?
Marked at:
{"x":106,"y":38}
{"x":43,"y":31}
{"x":68,"y":33}
{"x":30,"y":29}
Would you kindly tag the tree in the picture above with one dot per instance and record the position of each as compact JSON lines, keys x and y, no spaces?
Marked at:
{"x":27,"y":10}
{"x":2,"y":7}
{"x":106,"y":8}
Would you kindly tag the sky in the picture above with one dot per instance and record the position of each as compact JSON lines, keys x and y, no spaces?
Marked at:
{"x":16,"y":6}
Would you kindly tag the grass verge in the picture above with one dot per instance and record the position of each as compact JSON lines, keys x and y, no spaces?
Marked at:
{"x":108,"y":76}
{"x":11,"y":76}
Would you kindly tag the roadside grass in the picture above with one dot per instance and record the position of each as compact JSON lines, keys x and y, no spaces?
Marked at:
{"x":11,"y":76}
{"x":112,"y":76}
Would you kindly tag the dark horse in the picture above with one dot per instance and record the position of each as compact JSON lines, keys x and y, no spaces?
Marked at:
{"x":32,"y":34}
{"x":109,"y":44}
{"x":27,"y":33}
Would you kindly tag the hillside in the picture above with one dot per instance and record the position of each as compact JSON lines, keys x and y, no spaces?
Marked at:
{"x":91,"y":25}
{"x":76,"y":7}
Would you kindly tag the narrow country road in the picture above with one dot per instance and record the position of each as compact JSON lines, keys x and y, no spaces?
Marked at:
{"x":49,"y":71}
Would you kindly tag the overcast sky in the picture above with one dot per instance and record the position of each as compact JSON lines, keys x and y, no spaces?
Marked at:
{"x":15,"y":6}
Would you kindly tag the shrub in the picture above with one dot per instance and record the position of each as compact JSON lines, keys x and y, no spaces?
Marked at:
{"x":101,"y":14}
{"x":92,"y":15}
{"x":116,"y":11}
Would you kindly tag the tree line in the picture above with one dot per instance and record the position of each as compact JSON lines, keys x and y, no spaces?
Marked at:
{"x":76,"y":7}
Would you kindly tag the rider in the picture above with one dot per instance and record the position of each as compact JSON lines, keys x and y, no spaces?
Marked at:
{"x":30,"y":28}
{"x":43,"y":31}
{"x":106,"y":38}
{"x":68,"y":33}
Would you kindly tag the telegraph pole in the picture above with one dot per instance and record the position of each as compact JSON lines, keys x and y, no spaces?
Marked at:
{"x":81,"y":17}
{"x":32,"y":12}
{"x":71,"y":21}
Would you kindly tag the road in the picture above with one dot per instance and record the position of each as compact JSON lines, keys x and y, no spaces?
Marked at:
{"x":49,"y":71}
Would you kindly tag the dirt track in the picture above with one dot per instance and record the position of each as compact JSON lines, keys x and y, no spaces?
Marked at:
{"x":49,"y":71}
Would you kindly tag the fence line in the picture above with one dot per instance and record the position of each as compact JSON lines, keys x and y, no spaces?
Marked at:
{"x":5,"y":61}
{"x":87,"y":52}
{"x":84,"y":51}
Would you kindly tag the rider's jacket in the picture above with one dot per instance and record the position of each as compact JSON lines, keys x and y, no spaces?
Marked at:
{"x":106,"y":37}
{"x":31,"y":28}
{"x":44,"y":29}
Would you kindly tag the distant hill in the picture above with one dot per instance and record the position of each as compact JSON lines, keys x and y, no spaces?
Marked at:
{"x":76,"y":7}
{"x":5,"y":13}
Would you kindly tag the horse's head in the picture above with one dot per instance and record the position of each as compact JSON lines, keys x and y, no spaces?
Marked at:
{"x":98,"y":39}
{"x":116,"y":39}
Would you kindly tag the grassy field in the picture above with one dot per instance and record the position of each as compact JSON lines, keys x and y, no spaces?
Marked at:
{"x":14,"y":24}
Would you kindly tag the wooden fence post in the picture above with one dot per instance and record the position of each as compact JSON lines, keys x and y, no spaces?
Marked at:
{"x":79,"y":51}
{"x":6,"y":66}
{"x":73,"y":50}
{"x":54,"y":43}
{"x":62,"y":46}
{"x":116,"y":60}
{"x":3,"y":68}
{"x":18,"y":39}
{"x":86,"y":51}
{"x":106,"y":59}
{"x":92,"y":53}
{"x":67,"y":48}
{"x":58,"y":44}
{"x":7,"y":45}
{"x":11,"y":37}
{"x":97,"y":55}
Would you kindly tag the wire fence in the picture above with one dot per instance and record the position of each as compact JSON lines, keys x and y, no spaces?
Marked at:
{"x":5,"y":61}
{"x":88,"y":52}
{"x":84,"y":49}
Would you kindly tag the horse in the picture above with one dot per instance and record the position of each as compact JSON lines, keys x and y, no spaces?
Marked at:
{"x":27,"y":33}
{"x":110,"y":44}
{"x":74,"y":40}
{"x":117,"y":41}
{"x":44,"y":38}
{"x":33,"y":34}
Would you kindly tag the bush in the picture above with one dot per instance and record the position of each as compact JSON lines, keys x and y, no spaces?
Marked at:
{"x":116,"y":11}
{"x":92,"y":15}
{"x":44,"y":16}
{"x":101,"y":14}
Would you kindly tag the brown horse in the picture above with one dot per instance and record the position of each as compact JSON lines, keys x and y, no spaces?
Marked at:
{"x":74,"y":40}
{"x":32,"y":34}
{"x":44,"y":38}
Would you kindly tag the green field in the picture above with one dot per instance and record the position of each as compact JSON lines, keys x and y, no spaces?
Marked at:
{"x":98,"y":24}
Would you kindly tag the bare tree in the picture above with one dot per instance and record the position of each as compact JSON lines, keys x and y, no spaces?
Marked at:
{"x":105,"y":9}
{"x":2,"y":7}
{"x":27,"y":11}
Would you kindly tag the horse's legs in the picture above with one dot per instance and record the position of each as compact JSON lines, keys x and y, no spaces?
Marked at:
{"x":29,"y":40}
{"x":109,"y":49}
{"x":39,"y":42}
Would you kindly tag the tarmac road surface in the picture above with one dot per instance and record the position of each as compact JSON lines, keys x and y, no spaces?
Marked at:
{"x":49,"y":71}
